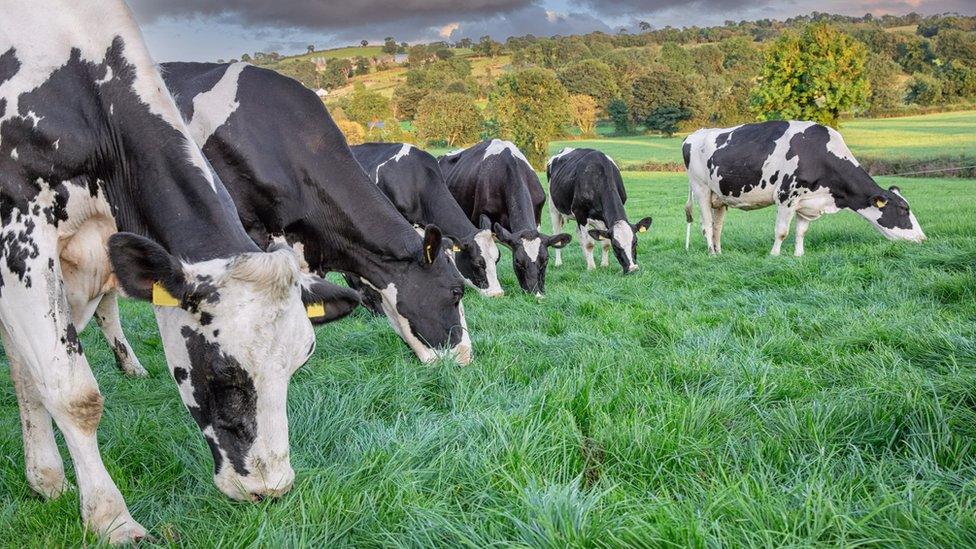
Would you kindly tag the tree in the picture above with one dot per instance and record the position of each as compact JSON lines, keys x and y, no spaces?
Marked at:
{"x":644,"y":26}
{"x":366,"y":106}
{"x":815,"y":76}
{"x":676,"y":58}
{"x":924,"y":89}
{"x":953,"y":44}
{"x":362,"y":65}
{"x":883,"y":76}
{"x":958,"y":80}
{"x":303,"y":71}
{"x":619,"y":113}
{"x":245,"y":58}
{"x":406,"y":99}
{"x":389,"y":45}
{"x":364,"y":43}
{"x":590,"y":77}
{"x":666,"y":119}
{"x":353,"y":131}
{"x":488,"y":47}
{"x":451,"y":118}
{"x":660,"y":87}
{"x":530,"y":107}
{"x":417,"y":55}
{"x":444,"y":54}
{"x":583,"y":110}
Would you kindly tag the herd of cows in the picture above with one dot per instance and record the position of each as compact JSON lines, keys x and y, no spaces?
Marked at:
{"x":224,"y":193}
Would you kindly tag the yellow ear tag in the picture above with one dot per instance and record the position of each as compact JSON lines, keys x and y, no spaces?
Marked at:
{"x":455,"y":249}
{"x":315,"y":310}
{"x":642,"y":230}
{"x":880,"y":203}
{"x":427,"y":253}
{"x":163,"y":298}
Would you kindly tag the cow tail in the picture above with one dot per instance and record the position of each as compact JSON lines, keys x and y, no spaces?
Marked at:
{"x":688,"y":219}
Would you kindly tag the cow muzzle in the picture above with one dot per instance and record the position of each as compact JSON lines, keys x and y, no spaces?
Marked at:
{"x":267,"y":479}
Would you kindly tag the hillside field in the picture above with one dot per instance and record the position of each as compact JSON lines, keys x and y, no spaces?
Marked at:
{"x":911,"y":137}
{"x":733,"y":401}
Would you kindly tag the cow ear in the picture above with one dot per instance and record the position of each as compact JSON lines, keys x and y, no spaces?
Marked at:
{"x":484,"y":223}
{"x":139,"y":263}
{"x":879,"y":201}
{"x":432,"y":244}
{"x":597,"y":234}
{"x":325,"y":301}
{"x":642,"y":225}
{"x":895,"y":190}
{"x":558,"y":241}
{"x":503,"y":236}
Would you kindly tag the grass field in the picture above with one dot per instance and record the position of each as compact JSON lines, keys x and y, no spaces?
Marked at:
{"x":912,"y":137}
{"x":733,"y":401}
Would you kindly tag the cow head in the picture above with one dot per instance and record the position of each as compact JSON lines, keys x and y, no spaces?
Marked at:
{"x":623,"y":240}
{"x":234,"y":331}
{"x":889,"y":212}
{"x":477,"y":259}
{"x":530,"y":255}
{"x":422,"y":301}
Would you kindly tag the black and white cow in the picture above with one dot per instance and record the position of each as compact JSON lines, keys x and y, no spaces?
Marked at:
{"x":495,"y":184}
{"x":293,"y":178}
{"x":804,"y":168}
{"x":585,"y":184}
{"x":412,"y":180}
{"x":92,"y":143}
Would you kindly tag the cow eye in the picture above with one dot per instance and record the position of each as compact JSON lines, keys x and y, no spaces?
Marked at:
{"x":457,"y":293}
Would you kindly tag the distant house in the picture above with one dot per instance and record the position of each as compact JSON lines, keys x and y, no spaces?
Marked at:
{"x":377,"y":125}
{"x":322,"y":92}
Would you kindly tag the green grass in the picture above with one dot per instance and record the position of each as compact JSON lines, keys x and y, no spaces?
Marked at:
{"x":913,"y":137}
{"x":342,"y":53}
{"x":733,"y":401}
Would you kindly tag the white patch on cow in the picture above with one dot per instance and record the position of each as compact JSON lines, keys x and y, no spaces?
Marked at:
{"x":560,"y":154}
{"x":32,"y":117}
{"x":57,"y":143}
{"x":212,"y":108}
{"x":14,"y":154}
{"x":111,"y":109}
{"x":497,"y":146}
{"x":488,"y":250}
{"x":455,"y":152}
{"x":811,"y":205}
{"x":532,"y":247}
{"x":873,"y":214}
{"x":109,"y":74}
{"x":838,"y":147}
{"x":404,"y":151}
{"x":401,"y":325}
{"x":623,"y":235}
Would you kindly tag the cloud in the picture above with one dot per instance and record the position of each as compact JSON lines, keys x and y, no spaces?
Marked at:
{"x":535,"y":20}
{"x":324,"y":14}
{"x":643,"y":7}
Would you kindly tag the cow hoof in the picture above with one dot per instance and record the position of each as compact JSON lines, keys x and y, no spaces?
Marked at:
{"x":134,"y":370}
{"x":495,"y":293}
{"x":49,"y":483}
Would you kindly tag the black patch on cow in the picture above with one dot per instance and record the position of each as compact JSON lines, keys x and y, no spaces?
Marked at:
{"x":226,"y":399}
{"x":180,"y":374}
{"x":9,"y":65}
{"x":739,"y":162}
{"x":70,"y":340}
{"x":206,"y":319}
{"x":121,"y":354}
{"x":202,"y":291}
{"x":17,"y":246}
{"x":686,"y":153}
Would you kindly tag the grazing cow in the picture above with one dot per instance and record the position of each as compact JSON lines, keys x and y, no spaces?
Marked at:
{"x":292,"y":176}
{"x":412,"y":180}
{"x":805,"y":169}
{"x":495,"y":184}
{"x":92,"y":143}
{"x":585,"y":184}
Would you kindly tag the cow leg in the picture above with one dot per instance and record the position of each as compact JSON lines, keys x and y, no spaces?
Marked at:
{"x":802,"y":225}
{"x":43,"y":465}
{"x":41,"y":335}
{"x":107,"y":317}
{"x":587,"y":243}
{"x":605,"y":259}
{"x":704,"y":198}
{"x":718,"y":221}
{"x":784,"y":215}
{"x":557,"y":227}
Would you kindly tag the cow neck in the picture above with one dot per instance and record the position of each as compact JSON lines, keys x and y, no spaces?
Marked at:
{"x":612,"y":205}
{"x":356,"y":224}
{"x":156,"y":179}
{"x":521,"y":213}
{"x":442,"y":209}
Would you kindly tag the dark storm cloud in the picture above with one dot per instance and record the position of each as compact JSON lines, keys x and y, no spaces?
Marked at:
{"x":530,"y":20}
{"x":324,"y":14}
{"x":638,"y":7}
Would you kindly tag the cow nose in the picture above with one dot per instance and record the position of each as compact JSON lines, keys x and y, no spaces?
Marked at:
{"x":493,"y":293}
{"x":632,"y":268}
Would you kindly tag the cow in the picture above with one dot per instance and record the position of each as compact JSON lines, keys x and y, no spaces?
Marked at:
{"x":803,"y":168}
{"x":293,"y":178}
{"x":586,"y":184}
{"x":92,"y":144}
{"x":496,"y":186}
{"x":412,"y":180}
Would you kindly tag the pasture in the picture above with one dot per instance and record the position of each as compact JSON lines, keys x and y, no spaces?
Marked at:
{"x":911,"y":137}
{"x":736,"y":400}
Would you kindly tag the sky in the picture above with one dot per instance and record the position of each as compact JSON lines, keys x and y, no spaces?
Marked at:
{"x":207,"y":30}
